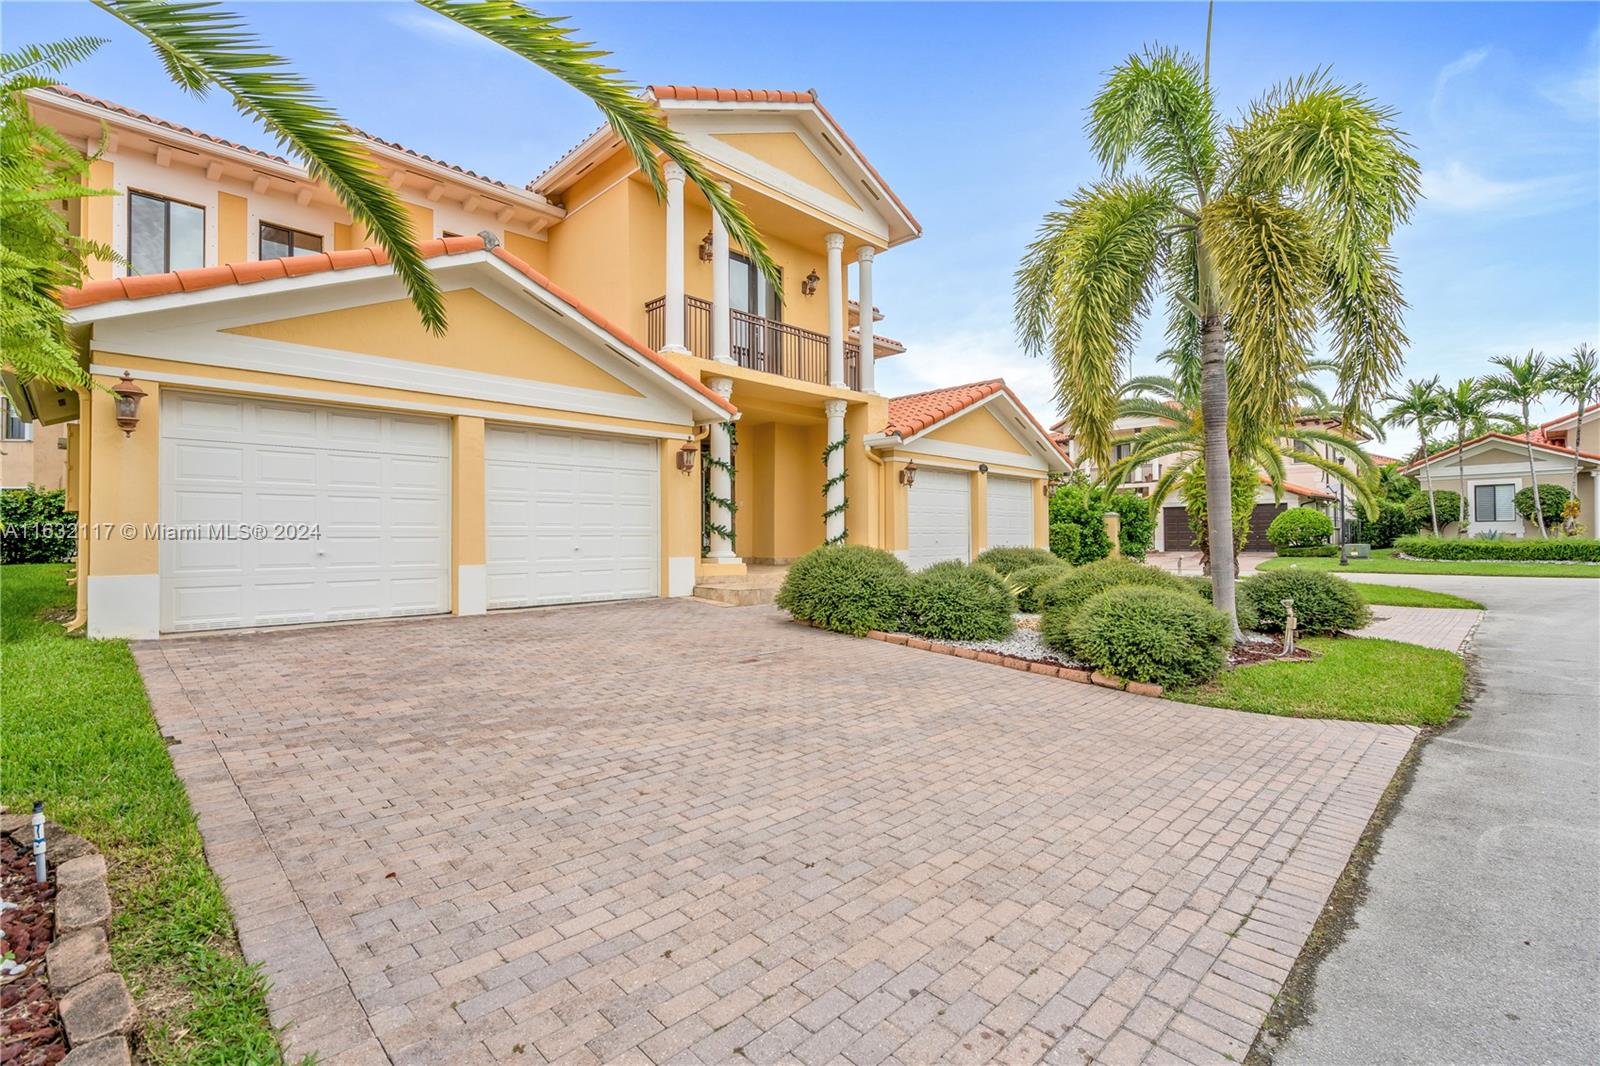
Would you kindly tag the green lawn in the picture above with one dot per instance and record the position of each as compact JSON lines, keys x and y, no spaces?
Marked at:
{"x":1383,"y":562}
{"x":76,"y":731}
{"x":1406,"y":596}
{"x":1357,"y":678}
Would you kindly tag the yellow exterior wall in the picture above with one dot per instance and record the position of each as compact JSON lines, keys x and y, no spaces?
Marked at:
{"x":421,"y":220}
{"x":585,"y":258}
{"x":98,"y":213}
{"x":233,"y":228}
{"x":530,"y":250}
{"x":468,"y":537}
{"x":344,"y":237}
{"x":979,"y":429}
{"x":980,"y":511}
{"x":123,"y":484}
{"x":1041,"y":514}
{"x":789,"y":153}
{"x":778,"y":487}
{"x":680,"y":508}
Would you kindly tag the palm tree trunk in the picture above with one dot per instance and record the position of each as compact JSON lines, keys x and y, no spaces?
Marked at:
{"x":1461,"y":469}
{"x":1577,"y":446}
{"x":1427,"y":474}
{"x":1218,"y":466}
{"x":1533,"y":476}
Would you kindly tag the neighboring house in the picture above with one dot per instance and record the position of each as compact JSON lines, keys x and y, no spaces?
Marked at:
{"x":30,"y":454}
{"x":609,"y":358}
{"x":1496,"y":468}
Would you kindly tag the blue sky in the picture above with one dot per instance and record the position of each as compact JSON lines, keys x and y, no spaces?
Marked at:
{"x":974,"y":113}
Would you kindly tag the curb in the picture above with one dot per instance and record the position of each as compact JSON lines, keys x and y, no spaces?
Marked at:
{"x":97,"y":1013}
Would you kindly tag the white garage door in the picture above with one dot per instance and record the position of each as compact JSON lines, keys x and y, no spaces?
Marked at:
{"x":256,"y":476}
{"x":1010,"y":512}
{"x":571,"y":517}
{"x":939,"y":517}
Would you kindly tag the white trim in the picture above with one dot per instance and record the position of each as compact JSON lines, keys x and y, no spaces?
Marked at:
{"x":249,"y":388}
{"x":973,"y":453}
{"x":472,"y":589}
{"x":1549,"y":453}
{"x":681,"y":575}
{"x":1040,"y":446}
{"x":1512,"y":526}
{"x":125,"y":605}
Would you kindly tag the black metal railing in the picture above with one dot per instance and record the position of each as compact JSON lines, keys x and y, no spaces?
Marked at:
{"x":757,"y":343}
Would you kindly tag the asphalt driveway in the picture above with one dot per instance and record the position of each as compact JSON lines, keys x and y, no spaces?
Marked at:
{"x":665,"y":832}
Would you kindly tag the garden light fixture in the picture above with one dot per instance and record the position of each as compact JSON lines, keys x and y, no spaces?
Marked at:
{"x":808,"y":284}
{"x":908,"y":475}
{"x":686,"y":457}
{"x":128,"y":396}
{"x":705,"y":248}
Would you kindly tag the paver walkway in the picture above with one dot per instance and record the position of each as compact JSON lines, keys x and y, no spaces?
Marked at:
{"x":1447,"y":628}
{"x":669,"y":832}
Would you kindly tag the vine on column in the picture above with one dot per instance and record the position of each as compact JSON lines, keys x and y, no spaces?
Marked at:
{"x":828,"y":486}
{"x":726,"y":503}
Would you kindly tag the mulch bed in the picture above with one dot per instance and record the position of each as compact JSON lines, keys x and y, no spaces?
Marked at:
{"x":30,"y":1025}
{"x":1268,"y":650}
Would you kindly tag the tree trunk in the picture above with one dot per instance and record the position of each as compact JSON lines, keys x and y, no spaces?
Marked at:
{"x":1218,"y":467}
{"x":1577,"y":447}
{"x":1533,"y":477}
{"x":1461,"y":468}
{"x":1427,"y":473}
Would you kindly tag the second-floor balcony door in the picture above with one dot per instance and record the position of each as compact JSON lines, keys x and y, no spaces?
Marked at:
{"x":754,"y":304}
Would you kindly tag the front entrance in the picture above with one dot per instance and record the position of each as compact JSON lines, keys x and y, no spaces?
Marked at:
{"x":1178,"y":537}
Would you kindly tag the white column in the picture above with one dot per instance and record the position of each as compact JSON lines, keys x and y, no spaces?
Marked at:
{"x":721,"y":342}
{"x":673,"y":311}
{"x":868,"y":330}
{"x":721,"y":484}
{"x":834,"y":409}
{"x":836,"y":298}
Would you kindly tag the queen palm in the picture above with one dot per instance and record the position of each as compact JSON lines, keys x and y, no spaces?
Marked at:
{"x":1523,"y":381}
{"x":1258,"y":232}
{"x":1576,"y":379}
{"x":1420,"y":407}
{"x":204,"y":46}
{"x":1469,"y":409}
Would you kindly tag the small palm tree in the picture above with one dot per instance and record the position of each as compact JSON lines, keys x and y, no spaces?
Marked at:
{"x":1468,"y":408}
{"x":1576,"y":379}
{"x":1420,"y":406}
{"x":1257,"y":232}
{"x":1523,"y":382}
{"x":204,"y":46}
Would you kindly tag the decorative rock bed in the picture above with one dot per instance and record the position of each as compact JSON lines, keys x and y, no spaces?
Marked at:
{"x":63,"y":1003}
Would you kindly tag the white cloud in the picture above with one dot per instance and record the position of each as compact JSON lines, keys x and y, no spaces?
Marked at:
{"x":427,"y":24}
{"x":1464,"y":64}
{"x":1577,"y":94}
{"x":966,"y":355}
{"x":1458,"y":188}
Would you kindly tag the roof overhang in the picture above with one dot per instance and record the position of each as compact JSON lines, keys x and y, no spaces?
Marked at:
{"x":1487,"y":440}
{"x":1010,"y":413}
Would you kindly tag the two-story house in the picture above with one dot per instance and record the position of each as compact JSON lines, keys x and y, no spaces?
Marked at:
{"x":621,"y":407}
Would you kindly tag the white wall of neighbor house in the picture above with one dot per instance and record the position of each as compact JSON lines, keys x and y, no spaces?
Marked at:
{"x":1506,"y":471}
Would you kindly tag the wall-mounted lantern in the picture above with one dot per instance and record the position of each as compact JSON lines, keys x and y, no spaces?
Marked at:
{"x":1049,"y":489}
{"x":908,"y":474}
{"x":128,"y":396}
{"x":983,"y":468}
{"x":686,"y":457}
{"x":808,"y":285}
{"x":705,"y":248}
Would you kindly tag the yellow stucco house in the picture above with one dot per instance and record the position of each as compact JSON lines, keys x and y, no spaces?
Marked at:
{"x":614,"y":373}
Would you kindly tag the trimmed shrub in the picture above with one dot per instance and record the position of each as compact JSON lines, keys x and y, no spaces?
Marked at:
{"x":1007,"y":586}
{"x":36,"y":527}
{"x":1158,"y":635}
{"x":1299,"y":527}
{"x":953,"y":601}
{"x":848,"y":588}
{"x":1551,"y":498}
{"x":1065,"y":541}
{"x":1059,"y":601}
{"x":1077,"y":505}
{"x":1010,"y":560}
{"x":1034,"y":579}
{"x":1323,"y":603}
{"x":1311,"y":551}
{"x":1393,"y":520}
{"x":1448,"y":504}
{"x":1138,"y":529}
{"x":1527,"y":549}
{"x":1241,"y":604}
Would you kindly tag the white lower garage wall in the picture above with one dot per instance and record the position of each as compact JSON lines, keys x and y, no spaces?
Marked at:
{"x":305,"y":513}
{"x":1010,"y":523}
{"x":938,"y":517}
{"x":570,"y":517}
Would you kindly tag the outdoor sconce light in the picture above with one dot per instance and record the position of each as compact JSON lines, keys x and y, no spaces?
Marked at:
{"x":808,"y":286}
{"x":705,"y":248}
{"x":908,"y":475}
{"x":983,"y":468}
{"x":1049,"y":490}
{"x":686,"y":457}
{"x":128,"y":396}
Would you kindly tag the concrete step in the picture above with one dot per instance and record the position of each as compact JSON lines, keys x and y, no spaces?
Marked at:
{"x":735,"y":595}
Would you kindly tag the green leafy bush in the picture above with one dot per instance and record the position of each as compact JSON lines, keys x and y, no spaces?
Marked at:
{"x":846,"y":587}
{"x":1310,"y":551}
{"x":1059,"y":601}
{"x":1065,"y":539}
{"x":1447,"y":502}
{"x":1035,"y":578}
{"x":1010,"y":560}
{"x":1299,"y":527}
{"x":1138,"y":529}
{"x":1527,"y":549}
{"x":1551,"y":498}
{"x":1393,"y":520}
{"x":1323,"y":603}
{"x":37,"y":527}
{"x":1077,"y":505}
{"x":1241,"y":605}
{"x":1157,"y":635}
{"x":1007,"y":586}
{"x":953,"y":601}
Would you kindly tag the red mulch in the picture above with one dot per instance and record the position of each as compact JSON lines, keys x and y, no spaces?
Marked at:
{"x":30,"y":1025}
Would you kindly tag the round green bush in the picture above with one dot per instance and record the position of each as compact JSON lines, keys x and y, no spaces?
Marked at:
{"x":1241,"y":604}
{"x":1157,"y":635}
{"x":1059,"y":601}
{"x":1392,"y":521}
{"x":846,"y":587}
{"x":1010,"y":560}
{"x":1299,"y":527}
{"x":1323,"y":603}
{"x":953,"y":601}
{"x":1447,"y":503}
{"x":1551,"y":499}
{"x":1007,"y":586}
{"x":37,"y":527}
{"x":1035,"y":578}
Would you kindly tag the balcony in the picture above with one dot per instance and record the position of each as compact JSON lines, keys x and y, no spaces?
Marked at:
{"x":757,"y":343}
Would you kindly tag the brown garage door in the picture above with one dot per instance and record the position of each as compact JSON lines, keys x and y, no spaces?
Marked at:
{"x":1175,"y":528}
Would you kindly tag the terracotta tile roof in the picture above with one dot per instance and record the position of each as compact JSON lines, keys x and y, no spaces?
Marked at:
{"x":1382,"y":460}
{"x":181,"y":281}
{"x":1570,"y":415}
{"x":1301,"y":490}
{"x":95,"y":101}
{"x":1520,"y":439}
{"x":913,"y":413}
{"x":463,"y":171}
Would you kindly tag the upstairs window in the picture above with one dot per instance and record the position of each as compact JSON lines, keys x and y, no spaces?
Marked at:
{"x":281,"y":242}
{"x":164,"y":234}
{"x":1121,"y":451}
{"x":15,"y":427}
{"x":1493,"y":503}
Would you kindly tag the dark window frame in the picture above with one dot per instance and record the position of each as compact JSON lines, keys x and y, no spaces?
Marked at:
{"x":7,"y":412}
{"x":1477,"y":515}
{"x":166,"y":251}
{"x":261,"y":238}
{"x":756,"y":280}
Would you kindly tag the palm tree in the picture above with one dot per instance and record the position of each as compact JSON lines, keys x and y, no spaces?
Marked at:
{"x":1523,"y":382}
{"x":1467,"y":408}
{"x":204,"y":46}
{"x":1576,"y":379}
{"x":1257,"y":232}
{"x":1420,"y":407}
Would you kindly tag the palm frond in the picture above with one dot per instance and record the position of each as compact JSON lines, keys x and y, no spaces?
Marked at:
{"x":1169,"y":481}
{"x":548,"y":43}
{"x":1157,"y":107}
{"x":202,"y":44}
{"x":1149,"y":385}
{"x":47,"y":59}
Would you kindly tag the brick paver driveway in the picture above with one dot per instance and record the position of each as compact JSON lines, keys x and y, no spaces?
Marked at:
{"x":665,"y":832}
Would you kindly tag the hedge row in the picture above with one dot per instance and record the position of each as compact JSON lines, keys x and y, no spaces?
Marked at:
{"x":852,"y":589}
{"x":1526,"y":549}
